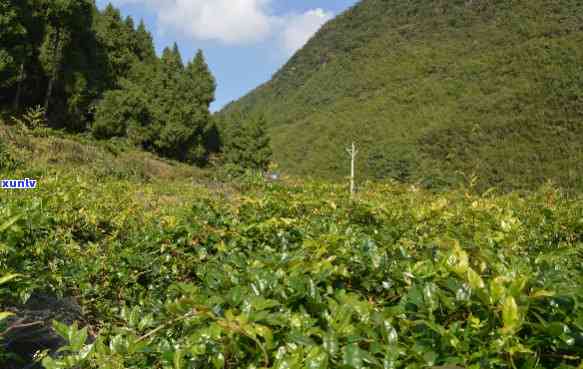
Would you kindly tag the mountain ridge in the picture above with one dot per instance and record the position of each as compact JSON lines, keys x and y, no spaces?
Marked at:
{"x":431,"y":90}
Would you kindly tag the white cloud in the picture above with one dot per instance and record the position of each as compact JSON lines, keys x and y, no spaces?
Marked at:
{"x":230,"y":21}
{"x":300,"y":28}
{"x":234,"y":21}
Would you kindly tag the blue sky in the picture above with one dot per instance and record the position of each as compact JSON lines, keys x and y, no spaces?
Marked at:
{"x":244,"y":41}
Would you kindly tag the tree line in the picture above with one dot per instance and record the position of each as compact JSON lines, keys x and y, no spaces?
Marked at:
{"x":95,"y":71}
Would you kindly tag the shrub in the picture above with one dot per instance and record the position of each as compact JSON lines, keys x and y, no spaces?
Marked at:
{"x":8,"y":162}
{"x":392,"y":162}
{"x":34,"y":118}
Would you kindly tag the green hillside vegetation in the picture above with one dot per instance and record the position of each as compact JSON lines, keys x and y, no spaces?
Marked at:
{"x":172,"y":273}
{"x":93,"y":71}
{"x":433,"y":91}
{"x":45,"y":152}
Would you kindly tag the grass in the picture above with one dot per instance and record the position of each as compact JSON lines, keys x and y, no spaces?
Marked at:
{"x":43,"y":149}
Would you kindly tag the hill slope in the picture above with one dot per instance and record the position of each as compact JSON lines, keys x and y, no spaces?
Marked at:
{"x":136,"y":266}
{"x":432,"y":88}
{"x":44,"y":152}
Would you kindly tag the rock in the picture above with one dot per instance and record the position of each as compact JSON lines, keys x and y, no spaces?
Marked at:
{"x":31,"y":331}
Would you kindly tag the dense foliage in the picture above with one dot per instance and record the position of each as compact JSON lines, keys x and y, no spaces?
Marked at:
{"x":174,"y":274}
{"x":92,"y":70}
{"x":246,"y":143}
{"x":431,"y":88}
{"x":162,"y":107}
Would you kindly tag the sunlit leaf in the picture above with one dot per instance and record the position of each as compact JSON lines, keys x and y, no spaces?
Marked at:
{"x":353,"y":356}
{"x":510,"y":315}
{"x":7,"y":278}
{"x":5,"y":314}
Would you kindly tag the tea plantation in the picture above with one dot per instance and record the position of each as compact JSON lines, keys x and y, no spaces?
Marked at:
{"x":175,"y":273}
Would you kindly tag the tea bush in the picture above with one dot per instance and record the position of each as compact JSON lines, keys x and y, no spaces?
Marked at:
{"x":294,"y":275}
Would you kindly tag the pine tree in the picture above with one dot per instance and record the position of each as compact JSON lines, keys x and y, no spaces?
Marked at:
{"x":118,"y":39}
{"x":99,"y":68}
{"x":54,"y":44}
{"x":184,"y":95}
{"x":12,"y":31}
{"x":13,"y":45}
{"x":123,"y":113}
{"x":201,"y":86}
{"x":175,"y":133}
{"x":129,"y":22}
{"x":172,"y":59}
{"x":65,"y":19}
{"x":248,"y":144}
{"x":133,"y":110}
{"x":144,"y":44}
{"x":170,"y":75}
{"x":203,"y":82}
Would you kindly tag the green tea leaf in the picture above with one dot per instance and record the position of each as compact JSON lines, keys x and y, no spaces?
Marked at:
{"x":331,"y":343}
{"x":178,"y":359}
{"x":510,"y":315}
{"x":316,"y":359}
{"x":475,"y":280}
{"x":353,"y":356}
{"x":7,"y":278}
{"x":9,"y":223}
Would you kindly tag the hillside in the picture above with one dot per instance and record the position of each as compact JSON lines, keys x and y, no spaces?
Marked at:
{"x":119,"y":260}
{"x":45,"y":152}
{"x":433,"y":90}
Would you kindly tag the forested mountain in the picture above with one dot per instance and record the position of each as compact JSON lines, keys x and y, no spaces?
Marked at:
{"x":95,"y":71}
{"x":432,"y":89}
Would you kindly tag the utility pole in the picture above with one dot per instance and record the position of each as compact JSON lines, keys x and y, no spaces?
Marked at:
{"x":352,"y":151}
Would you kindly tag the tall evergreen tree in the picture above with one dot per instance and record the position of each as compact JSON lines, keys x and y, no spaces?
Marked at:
{"x":16,"y":45}
{"x":117,"y":38}
{"x":201,"y":86}
{"x":12,"y":32}
{"x":171,"y":70}
{"x":12,"y":44}
{"x":172,"y":60}
{"x":64,"y":18}
{"x":144,"y":43}
{"x":187,"y":95}
{"x":175,"y":132}
{"x":123,"y":113}
{"x":247,"y":144}
{"x":91,"y":66}
{"x":177,"y":57}
{"x":129,"y":22}
{"x":202,"y":81}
